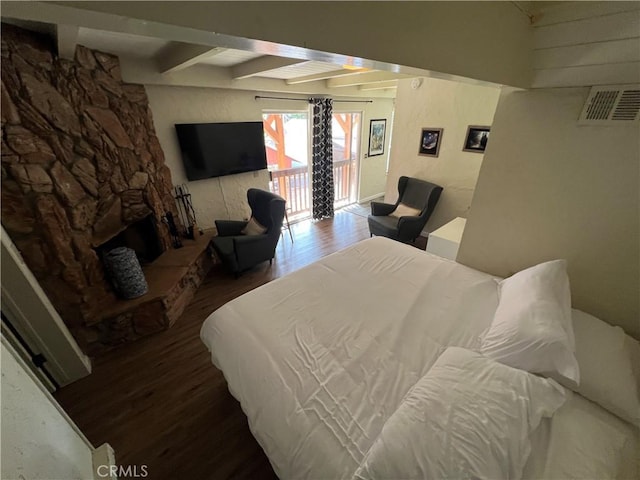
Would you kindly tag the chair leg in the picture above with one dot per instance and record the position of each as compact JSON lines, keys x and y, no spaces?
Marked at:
{"x":286,"y":217}
{"x":271,"y":261}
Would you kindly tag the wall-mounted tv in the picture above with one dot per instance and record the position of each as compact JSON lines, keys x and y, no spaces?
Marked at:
{"x":218,"y":149}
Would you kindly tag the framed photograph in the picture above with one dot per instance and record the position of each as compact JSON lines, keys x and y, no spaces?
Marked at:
{"x":376,"y":137}
{"x":430,"y":140}
{"x":476,"y":139}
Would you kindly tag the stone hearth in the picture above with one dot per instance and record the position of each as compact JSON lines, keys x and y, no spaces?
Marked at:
{"x":80,"y":163}
{"x":173,"y":279}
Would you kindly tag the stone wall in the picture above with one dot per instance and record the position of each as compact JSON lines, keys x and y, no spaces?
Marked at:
{"x":80,"y":162}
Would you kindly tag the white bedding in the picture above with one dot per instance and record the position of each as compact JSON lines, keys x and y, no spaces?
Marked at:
{"x":583,"y":441}
{"x":468,"y":417}
{"x":321,"y":359}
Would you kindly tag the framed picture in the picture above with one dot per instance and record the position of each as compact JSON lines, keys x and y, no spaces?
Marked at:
{"x":376,"y":137}
{"x":476,"y":139}
{"x":430,"y":140}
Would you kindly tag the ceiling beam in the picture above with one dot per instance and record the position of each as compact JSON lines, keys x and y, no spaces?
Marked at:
{"x":325,"y":76}
{"x":144,"y":71}
{"x":262,"y":64}
{"x":196,"y":25}
{"x":364,"y":78}
{"x":379,"y":85}
{"x":67,"y":40}
{"x":177,"y":56}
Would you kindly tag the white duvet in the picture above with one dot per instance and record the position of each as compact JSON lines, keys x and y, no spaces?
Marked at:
{"x":321,"y":359}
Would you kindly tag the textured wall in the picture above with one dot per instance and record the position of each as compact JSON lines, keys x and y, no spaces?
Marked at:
{"x":213,"y":198}
{"x":226,"y":197}
{"x":80,"y":162}
{"x":453,"y":107}
{"x":38,"y":439}
{"x":550,"y":188}
{"x":373,"y":170}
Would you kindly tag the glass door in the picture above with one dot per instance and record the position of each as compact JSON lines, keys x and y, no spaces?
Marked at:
{"x":286,"y":138}
{"x":346,"y":129}
{"x":288,"y":144}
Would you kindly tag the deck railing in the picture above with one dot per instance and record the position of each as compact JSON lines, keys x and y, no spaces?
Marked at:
{"x":294,"y":186}
{"x":342,"y":181}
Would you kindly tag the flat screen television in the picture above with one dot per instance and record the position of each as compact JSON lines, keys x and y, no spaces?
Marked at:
{"x":218,"y":149}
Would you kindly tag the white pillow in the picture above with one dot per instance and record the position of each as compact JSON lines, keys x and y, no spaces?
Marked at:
{"x":531,"y":328}
{"x":468,"y":417}
{"x":583,"y":441}
{"x":403,"y":210}
{"x":253,"y":227}
{"x":604,"y":355}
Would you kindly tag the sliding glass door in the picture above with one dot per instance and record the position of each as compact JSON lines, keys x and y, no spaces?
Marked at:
{"x":346,"y":129}
{"x":288,"y":144}
{"x":287,"y":141}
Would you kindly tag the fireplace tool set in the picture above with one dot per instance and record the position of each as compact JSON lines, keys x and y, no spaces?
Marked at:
{"x":187,"y":216}
{"x":173,"y":229}
{"x":187,"y":213}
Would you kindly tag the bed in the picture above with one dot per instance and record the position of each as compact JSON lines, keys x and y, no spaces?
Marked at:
{"x":333,"y":361}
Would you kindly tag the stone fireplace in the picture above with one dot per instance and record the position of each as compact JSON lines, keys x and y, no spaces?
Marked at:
{"x":141,"y":236}
{"x":82,"y":170}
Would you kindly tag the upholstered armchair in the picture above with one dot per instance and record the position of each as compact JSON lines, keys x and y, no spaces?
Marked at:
{"x":243,"y":244}
{"x":405,"y":219}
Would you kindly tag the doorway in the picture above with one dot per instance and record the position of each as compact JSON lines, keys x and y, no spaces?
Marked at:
{"x":346,"y":128}
{"x":288,"y":144}
{"x":286,"y":138}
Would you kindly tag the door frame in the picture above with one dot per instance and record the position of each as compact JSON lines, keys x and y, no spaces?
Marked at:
{"x":36,"y":320}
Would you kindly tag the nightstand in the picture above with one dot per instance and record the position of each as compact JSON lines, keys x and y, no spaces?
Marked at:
{"x":445,"y":241}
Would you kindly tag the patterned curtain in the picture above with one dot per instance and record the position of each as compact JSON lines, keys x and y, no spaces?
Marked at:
{"x":322,"y":159}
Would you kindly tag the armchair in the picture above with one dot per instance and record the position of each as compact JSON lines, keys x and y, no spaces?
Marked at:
{"x":240,"y":252}
{"x":412,"y":194}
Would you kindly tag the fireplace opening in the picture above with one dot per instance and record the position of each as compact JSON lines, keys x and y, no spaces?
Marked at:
{"x":141,"y":236}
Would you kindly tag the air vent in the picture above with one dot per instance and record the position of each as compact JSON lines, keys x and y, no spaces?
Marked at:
{"x":614,"y":105}
{"x":628,"y":106}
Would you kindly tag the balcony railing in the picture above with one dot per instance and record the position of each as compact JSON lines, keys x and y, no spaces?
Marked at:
{"x":294,"y":186}
{"x":342,"y":181}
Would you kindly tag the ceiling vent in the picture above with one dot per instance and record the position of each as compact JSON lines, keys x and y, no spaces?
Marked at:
{"x":611,"y":105}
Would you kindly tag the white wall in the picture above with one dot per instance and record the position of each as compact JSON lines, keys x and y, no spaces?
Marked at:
{"x":38,"y":440}
{"x":443,"y":104}
{"x":373,"y":170}
{"x":213,"y":198}
{"x":225,"y":197}
{"x":548,"y":189}
{"x":587,"y":43}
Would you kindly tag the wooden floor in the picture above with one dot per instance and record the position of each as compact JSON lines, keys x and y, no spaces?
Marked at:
{"x":160,"y":402}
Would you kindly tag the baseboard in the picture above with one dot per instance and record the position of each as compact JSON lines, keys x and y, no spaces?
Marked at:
{"x":371,"y":197}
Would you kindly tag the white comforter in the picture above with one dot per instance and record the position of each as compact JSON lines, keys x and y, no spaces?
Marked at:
{"x":322,"y":358}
